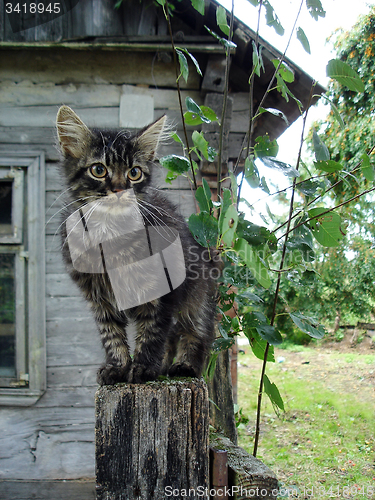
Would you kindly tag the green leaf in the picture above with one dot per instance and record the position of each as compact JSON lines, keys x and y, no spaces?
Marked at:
{"x":226,"y":202}
{"x":209,"y":114}
{"x":200,"y":143}
{"x":252,"y":260}
{"x":192,"y":106}
{"x":301,"y":36}
{"x":193,"y":119}
{"x":269,"y":334}
{"x":272,"y":19}
{"x":176,"y":164}
{"x":251,"y":172}
{"x":315,"y":8}
{"x":285,"y":168}
{"x":203,"y":196}
{"x":254,"y":234}
{"x":308,"y":187}
{"x":233,"y":186}
{"x":258,"y":346}
{"x":196,"y":114}
{"x":308,"y":325}
{"x":227,"y":44}
{"x":221,"y":19}
{"x":367,"y":168}
{"x":204,"y":229}
{"x":326,"y":228}
{"x":273,"y":393}
{"x":257,"y":60}
{"x":247,"y":297}
{"x":264,"y":186}
{"x":265,"y":147}
{"x":320,"y":149}
{"x":328,"y":166}
{"x":184,"y":67}
{"x":335,"y":111}
{"x":275,"y":112}
{"x":345,"y":74}
{"x":229,"y":225}
{"x":177,"y":138}
{"x":284,"y":71}
{"x":198,"y":6}
{"x":195,"y":62}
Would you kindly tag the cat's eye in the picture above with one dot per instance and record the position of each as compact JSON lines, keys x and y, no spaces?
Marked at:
{"x":135,"y":174}
{"x":98,"y":170}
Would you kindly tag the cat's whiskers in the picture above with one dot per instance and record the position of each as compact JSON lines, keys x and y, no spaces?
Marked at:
{"x":60,"y":195}
{"x":162,"y":224}
{"x":85,"y":217}
{"x":158,"y":209}
{"x":66,"y":206}
{"x":64,"y":221}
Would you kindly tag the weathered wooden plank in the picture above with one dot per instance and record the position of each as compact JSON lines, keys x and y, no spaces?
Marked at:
{"x":61,"y":307}
{"x":61,"y":285}
{"x":47,"y":94}
{"x":71,"y":376}
{"x":88,"y":66}
{"x":247,"y":475}
{"x":38,"y":116}
{"x":23,"y":139}
{"x":70,"y":397}
{"x":47,"y":443}
{"x":54,"y":262}
{"x":72,"y":331}
{"x":87,"y":95}
{"x":86,"y":353}
{"x":47,"y":490}
{"x":150,"y":437}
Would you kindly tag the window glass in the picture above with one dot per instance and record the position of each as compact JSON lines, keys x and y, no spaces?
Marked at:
{"x":5,"y":208}
{"x":7,"y":316}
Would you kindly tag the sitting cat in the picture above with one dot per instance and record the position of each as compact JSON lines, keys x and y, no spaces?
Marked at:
{"x":133,"y":256}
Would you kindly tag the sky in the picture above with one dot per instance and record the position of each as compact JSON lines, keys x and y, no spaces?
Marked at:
{"x":340,"y":14}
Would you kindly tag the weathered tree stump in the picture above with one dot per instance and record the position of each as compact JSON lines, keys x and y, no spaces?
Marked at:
{"x":152,"y":440}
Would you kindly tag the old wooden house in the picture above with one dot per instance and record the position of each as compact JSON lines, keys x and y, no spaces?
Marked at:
{"x":115,"y":68}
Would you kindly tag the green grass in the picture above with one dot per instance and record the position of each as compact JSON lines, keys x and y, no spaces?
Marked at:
{"x":325,"y":440}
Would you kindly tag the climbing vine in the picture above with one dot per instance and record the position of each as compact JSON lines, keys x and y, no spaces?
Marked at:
{"x":259,"y":260}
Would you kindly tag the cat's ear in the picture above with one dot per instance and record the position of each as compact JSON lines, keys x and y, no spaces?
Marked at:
{"x":149,"y":139}
{"x":74,"y":136}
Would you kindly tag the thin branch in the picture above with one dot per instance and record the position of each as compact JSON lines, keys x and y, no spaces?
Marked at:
{"x":225,"y":101}
{"x":278,"y":283}
{"x":270,"y":84}
{"x":166,"y":13}
{"x":356,"y":167}
{"x":330,"y":210}
{"x":251,"y":107}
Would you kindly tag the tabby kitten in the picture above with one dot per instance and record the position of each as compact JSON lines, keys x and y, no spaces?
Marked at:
{"x":132,"y":255}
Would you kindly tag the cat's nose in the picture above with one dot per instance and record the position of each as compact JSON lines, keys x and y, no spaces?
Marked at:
{"x":118,"y":192}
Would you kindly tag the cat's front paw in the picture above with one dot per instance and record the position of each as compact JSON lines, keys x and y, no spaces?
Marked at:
{"x":140,"y":373}
{"x":182,"y":370}
{"x":111,"y":374}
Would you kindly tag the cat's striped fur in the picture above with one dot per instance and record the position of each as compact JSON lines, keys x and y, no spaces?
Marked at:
{"x":174,"y":332}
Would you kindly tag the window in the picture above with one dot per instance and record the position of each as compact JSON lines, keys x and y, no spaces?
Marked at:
{"x":22,"y":294}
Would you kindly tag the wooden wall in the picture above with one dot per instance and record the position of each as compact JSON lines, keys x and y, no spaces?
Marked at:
{"x":54,"y":439}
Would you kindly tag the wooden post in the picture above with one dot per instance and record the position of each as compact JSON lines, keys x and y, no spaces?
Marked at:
{"x":152,"y":440}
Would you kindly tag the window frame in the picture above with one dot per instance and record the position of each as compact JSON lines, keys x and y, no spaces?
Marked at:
{"x":28,"y":245}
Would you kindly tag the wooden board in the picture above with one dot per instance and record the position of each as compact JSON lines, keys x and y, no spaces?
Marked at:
{"x":47,"y":490}
{"x":88,"y":66}
{"x":54,"y":442}
{"x":250,"y":477}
